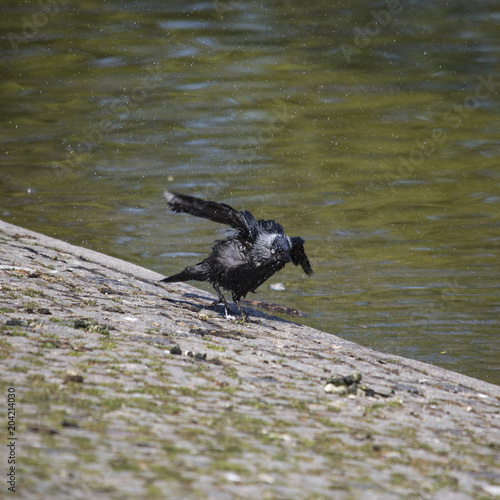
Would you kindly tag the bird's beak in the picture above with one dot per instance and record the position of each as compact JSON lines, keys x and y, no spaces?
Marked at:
{"x":284,"y":256}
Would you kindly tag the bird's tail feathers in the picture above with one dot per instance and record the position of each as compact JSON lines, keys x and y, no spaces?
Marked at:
{"x":193,"y":273}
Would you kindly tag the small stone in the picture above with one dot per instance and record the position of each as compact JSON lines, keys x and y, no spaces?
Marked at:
{"x":343,"y":385}
{"x":492,"y":489}
{"x":14,"y":322}
{"x":278,"y":287}
{"x":233,"y":477}
{"x":175,"y":350}
{"x":336,"y":389}
{"x":91,"y":326}
{"x":366,"y":391}
{"x":97,"y":328}
{"x":81,"y":323}
{"x":355,"y":378}
{"x":73,"y":376}
{"x":265,"y":478}
{"x":197,"y":355}
{"x":70,"y":423}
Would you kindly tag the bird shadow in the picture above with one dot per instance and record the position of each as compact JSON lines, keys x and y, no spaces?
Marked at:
{"x":200,"y":302}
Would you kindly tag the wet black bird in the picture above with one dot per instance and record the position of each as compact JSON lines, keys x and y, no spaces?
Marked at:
{"x":244,"y":260}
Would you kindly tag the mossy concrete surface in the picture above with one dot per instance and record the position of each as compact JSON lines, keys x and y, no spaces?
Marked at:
{"x":126,"y":389}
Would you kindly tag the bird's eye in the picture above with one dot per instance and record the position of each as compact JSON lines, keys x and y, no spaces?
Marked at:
{"x":273,"y":251}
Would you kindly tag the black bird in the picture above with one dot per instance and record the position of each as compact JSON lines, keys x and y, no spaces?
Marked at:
{"x":243,"y":261}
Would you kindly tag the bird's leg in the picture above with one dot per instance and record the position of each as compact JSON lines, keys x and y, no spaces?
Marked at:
{"x":236,"y":301}
{"x":222,"y":300}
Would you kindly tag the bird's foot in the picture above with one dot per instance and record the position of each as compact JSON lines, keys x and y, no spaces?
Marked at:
{"x":243,"y":318}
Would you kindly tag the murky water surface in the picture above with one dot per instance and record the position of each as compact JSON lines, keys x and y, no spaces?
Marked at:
{"x":371,"y":130}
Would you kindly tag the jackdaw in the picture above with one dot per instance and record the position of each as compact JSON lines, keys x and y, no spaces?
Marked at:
{"x":241,"y":262}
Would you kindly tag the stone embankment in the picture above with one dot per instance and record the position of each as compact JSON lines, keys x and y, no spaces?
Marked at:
{"x":125,"y":389}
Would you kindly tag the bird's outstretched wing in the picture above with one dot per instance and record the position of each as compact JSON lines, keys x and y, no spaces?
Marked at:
{"x":212,"y":210}
{"x":299,"y":256}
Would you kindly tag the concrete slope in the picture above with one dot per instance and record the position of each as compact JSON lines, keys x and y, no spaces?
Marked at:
{"x":115,"y":387}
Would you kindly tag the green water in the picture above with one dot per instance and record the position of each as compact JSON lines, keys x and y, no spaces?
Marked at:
{"x":371,"y":129}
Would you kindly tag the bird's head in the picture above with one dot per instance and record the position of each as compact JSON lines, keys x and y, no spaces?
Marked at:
{"x":272,"y":249}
